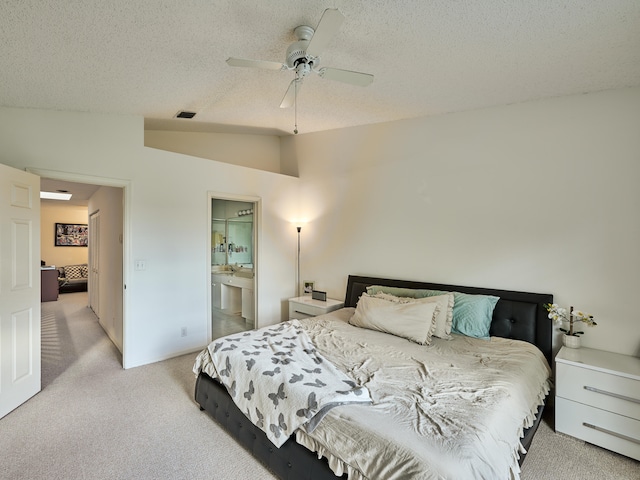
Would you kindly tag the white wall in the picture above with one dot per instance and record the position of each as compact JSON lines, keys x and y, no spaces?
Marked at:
{"x":541,"y":196}
{"x":167,"y":225}
{"x":253,"y":151}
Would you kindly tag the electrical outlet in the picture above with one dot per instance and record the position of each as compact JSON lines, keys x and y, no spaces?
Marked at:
{"x":140,"y":265}
{"x":183,"y":331}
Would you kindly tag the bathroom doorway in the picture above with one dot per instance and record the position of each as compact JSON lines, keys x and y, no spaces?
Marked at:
{"x":233,"y":247}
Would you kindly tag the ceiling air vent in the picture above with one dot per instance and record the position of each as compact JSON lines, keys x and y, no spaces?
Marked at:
{"x":184,"y":114}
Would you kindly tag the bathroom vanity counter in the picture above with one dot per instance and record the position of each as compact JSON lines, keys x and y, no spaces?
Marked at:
{"x":233,"y":293}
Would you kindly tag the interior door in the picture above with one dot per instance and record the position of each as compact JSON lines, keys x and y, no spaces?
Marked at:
{"x":94,"y":263}
{"x":19,"y":287}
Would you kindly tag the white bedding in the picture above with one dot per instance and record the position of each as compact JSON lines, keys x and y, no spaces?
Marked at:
{"x":453,"y":410}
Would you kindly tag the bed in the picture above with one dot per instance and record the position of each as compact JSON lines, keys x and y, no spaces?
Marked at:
{"x":516,"y":316}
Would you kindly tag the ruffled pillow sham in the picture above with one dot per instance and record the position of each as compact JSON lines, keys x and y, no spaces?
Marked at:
{"x":444,"y":317}
{"x":414,"y":320}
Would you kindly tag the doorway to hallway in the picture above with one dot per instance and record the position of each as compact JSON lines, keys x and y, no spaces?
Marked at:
{"x":106,"y":205}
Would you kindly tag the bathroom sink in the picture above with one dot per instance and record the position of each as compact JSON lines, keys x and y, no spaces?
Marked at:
{"x":221,"y":271}
{"x":244,"y":273}
{"x":234,"y":270}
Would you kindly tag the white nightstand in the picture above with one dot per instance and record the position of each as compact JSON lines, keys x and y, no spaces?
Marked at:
{"x":598,"y":398}
{"x":305,"y":307}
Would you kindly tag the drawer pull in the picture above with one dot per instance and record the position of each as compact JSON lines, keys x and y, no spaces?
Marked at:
{"x":615,"y":434}
{"x":611,"y":394}
{"x":298,"y":311}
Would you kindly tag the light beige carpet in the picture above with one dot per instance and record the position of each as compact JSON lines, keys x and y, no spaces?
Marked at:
{"x":94,"y":420}
{"x":554,"y":456}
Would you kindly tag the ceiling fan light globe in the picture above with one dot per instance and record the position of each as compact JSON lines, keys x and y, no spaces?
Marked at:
{"x":302,"y":70}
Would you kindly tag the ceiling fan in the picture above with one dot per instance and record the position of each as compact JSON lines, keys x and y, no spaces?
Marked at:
{"x":303,"y":57}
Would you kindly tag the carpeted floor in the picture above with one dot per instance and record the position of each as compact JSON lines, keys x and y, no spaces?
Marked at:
{"x":94,"y":420}
{"x":555,"y":456}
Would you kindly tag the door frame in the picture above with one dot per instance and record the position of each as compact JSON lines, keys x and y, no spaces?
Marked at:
{"x":257,"y":237}
{"x":126,"y":230}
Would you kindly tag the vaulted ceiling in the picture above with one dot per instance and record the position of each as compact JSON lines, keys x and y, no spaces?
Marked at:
{"x":155,"y":58}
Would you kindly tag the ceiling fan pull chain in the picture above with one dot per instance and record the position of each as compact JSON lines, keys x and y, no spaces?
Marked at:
{"x":295,"y":106}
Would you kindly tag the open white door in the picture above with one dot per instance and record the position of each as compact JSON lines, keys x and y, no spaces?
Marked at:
{"x":19,"y":287}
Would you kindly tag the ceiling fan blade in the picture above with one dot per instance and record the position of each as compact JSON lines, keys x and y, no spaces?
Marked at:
{"x":329,"y":24}
{"x":346,"y":76}
{"x":242,"y":62}
{"x":289,"y":98}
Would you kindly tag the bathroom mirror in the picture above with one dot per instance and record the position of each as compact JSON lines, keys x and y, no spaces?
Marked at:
{"x":232,"y":233}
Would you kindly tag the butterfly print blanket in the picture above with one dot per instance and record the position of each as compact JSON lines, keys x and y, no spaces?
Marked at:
{"x":278,"y":379}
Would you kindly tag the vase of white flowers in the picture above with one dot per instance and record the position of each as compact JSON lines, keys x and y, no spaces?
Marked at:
{"x":571,"y":337}
{"x":571,"y":341}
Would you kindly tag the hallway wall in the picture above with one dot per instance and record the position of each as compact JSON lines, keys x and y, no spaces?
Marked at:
{"x":108,"y":201}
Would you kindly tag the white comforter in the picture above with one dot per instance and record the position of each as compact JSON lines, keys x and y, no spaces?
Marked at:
{"x":453,"y":410}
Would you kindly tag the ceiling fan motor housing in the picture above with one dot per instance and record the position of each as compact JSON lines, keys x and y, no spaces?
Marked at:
{"x":297,"y":51}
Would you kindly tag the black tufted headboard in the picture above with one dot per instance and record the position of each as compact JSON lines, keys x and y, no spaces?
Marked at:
{"x":518,"y":315}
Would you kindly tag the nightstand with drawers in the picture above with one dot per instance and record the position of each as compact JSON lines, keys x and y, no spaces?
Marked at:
{"x":305,"y":307}
{"x":598,"y":398}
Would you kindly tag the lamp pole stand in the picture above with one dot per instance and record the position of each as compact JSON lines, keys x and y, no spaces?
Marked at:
{"x":298,"y":275}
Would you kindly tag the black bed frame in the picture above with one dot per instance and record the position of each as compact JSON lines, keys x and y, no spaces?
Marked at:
{"x":517,"y":315}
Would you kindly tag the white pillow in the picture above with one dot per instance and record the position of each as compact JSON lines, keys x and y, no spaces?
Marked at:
{"x":444,"y":317}
{"x":413,"y":320}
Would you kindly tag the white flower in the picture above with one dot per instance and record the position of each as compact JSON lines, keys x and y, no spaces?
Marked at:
{"x":559,"y":314}
{"x":583,"y":317}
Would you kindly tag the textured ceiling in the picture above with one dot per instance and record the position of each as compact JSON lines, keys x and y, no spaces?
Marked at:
{"x":157,"y":57}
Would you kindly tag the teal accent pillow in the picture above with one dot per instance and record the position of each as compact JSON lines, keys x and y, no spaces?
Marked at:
{"x":472,"y":314}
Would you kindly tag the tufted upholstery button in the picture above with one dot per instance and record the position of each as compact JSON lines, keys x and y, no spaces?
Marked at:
{"x":215,"y":405}
{"x":512,"y":320}
{"x":289,"y":464}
